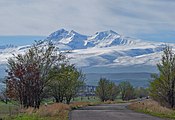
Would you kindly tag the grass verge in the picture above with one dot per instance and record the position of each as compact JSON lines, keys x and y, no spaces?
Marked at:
{"x":56,"y":111}
{"x":153,"y":108}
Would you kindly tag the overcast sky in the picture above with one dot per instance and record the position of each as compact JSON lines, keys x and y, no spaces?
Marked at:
{"x":145,"y":19}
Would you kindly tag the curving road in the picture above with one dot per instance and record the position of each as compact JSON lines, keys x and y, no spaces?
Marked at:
{"x":109,"y":112}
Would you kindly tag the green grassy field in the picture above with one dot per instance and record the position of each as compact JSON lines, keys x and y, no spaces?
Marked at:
{"x":9,"y":109}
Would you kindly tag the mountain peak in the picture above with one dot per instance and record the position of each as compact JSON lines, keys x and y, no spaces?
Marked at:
{"x":107,"y":32}
{"x":57,"y":35}
{"x":61,"y":31}
{"x":74,"y":32}
{"x":111,"y":32}
{"x":76,"y":40}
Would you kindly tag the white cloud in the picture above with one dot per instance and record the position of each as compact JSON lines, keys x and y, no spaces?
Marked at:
{"x":129,"y":17}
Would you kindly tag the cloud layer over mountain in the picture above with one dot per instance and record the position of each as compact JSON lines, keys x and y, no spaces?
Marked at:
{"x":148,"y":19}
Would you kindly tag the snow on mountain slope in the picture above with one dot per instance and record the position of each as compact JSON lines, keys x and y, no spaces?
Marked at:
{"x":108,"y":39}
{"x":116,"y":55}
{"x":100,"y":40}
{"x":106,"y":50}
{"x":71,"y":39}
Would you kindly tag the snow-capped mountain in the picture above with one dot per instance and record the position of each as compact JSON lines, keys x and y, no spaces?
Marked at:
{"x":72,"y":39}
{"x":108,"y":50}
{"x":99,"y":40}
{"x":102,"y":52}
{"x":108,"y":39}
{"x":105,"y":51}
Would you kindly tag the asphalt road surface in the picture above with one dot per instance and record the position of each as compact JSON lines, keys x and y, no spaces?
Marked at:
{"x":109,"y":112}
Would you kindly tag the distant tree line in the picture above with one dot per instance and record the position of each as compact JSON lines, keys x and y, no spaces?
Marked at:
{"x":108,"y":90}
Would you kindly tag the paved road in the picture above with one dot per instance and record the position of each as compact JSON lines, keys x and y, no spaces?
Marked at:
{"x":108,"y":112}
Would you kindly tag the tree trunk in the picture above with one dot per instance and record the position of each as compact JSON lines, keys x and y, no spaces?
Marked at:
{"x":68,"y":99}
{"x":57,"y":100}
{"x":172,"y":94}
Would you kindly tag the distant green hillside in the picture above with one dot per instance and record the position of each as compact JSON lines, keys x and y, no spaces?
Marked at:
{"x":137,"y":79}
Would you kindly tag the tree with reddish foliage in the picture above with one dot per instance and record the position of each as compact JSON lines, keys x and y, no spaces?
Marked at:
{"x":28,"y":73}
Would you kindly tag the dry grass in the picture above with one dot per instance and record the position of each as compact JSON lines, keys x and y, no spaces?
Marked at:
{"x":152,"y":107}
{"x":56,"y":111}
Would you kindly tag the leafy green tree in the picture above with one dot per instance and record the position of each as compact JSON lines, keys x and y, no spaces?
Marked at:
{"x":113,"y":91}
{"x":65,"y":82}
{"x":75,"y":79}
{"x":106,"y":90}
{"x":126,"y":90}
{"x":56,"y":87}
{"x":28,"y":73}
{"x":162,"y":88}
{"x":101,"y":90}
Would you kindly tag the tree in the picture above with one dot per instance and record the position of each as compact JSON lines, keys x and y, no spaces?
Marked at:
{"x":106,"y":90}
{"x":3,"y":93}
{"x":141,"y":92}
{"x":126,"y":90}
{"x":65,"y":82}
{"x":74,"y":80}
{"x":28,"y":73}
{"x":162,"y":87}
{"x":3,"y":96}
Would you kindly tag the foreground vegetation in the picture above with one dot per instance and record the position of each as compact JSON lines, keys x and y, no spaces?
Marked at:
{"x":53,"y":111}
{"x":8,"y":109}
{"x":153,"y":108}
{"x":42,"y":72}
{"x":162,"y":88}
